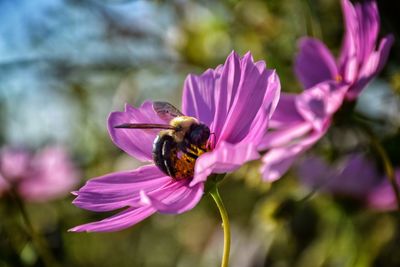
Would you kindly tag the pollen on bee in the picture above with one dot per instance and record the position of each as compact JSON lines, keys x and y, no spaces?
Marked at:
{"x":184,"y":165}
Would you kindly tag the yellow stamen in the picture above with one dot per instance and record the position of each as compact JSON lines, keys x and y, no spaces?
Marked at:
{"x":338,"y":78}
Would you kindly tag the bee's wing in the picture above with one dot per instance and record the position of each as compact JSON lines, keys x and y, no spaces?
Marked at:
{"x":166,"y":111}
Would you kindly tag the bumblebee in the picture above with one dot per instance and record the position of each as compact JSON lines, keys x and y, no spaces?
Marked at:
{"x":178,"y":144}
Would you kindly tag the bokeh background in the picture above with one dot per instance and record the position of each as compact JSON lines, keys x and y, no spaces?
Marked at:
{"x":66,"y":64}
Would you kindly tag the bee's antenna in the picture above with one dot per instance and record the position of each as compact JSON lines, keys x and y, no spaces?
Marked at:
{"x":144,"y":126}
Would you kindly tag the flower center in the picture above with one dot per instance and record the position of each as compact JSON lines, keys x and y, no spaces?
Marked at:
{"x":338,"y":78}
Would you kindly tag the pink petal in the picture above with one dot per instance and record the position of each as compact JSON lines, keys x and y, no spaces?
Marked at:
{"x":254,"y":97}
{"x":350,"y":69}
{"x":175,"y":200}
{"x":117,"y":222}
{"x":318,"y":104}
{"x":348,"y":47}
{"x":198,"y":96}
{"x":285,"y":135}
{"x":224,"y":158}
{"x":358,"y":61}
{"x":384,"y":50}
{"x":361,"y":31}
{"x":312,"y":105}
{"x":372,"y":66}
{"x":277,"y":161}
{"x":225,"y":90}
{"x":120,"y":189}
{"x":367,"y":23}
{"x":286,"y":112}
{"x":137,"y":143}
{"x":314,"y":63}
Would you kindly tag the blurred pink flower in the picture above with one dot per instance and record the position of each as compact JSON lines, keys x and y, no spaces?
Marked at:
{"x":361,"y":57}
{"x":354,"y":176}
{"x":235,"y":101}
{"x":301,"y":120}
{"x":47,"y":175}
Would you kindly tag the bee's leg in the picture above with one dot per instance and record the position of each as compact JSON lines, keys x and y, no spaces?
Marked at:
{"x":191,"y":149}
{"x":185,"y":148}
{"x":193,"y":156}
{"x":200,"y":148}
{"x":164,"y":148}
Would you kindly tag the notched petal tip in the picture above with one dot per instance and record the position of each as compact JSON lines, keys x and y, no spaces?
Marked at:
{"x":384,"y":49}
{"x":128,"y":107}
{"x":248,"y":57}
{"x":76,"y":229}
{"x":233,"y":56}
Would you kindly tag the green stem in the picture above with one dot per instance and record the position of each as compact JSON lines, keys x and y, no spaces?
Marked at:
{"x":41,"y":247}
{"x":313,"y":27}
{"x":225,"y":224}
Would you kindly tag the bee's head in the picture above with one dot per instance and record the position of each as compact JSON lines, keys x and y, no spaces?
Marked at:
{"x":198,"y":134}
{"x":182,"y":125}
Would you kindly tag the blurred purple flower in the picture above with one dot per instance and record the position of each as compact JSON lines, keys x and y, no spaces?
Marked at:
{"x":47,"y":175}
{"x":302,"y":119}
{"x":235,"y":101}
{"x":354,"y":176}
{"x":360,"y":59}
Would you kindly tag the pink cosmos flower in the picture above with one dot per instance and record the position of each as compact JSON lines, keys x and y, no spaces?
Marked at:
{"x":302,"y":119}
{"x":354,"y":176}
{"x":47,"y":175}
{"x":299,"y":121}
{"x":361,"y":57}
{"x":235,"y":101}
